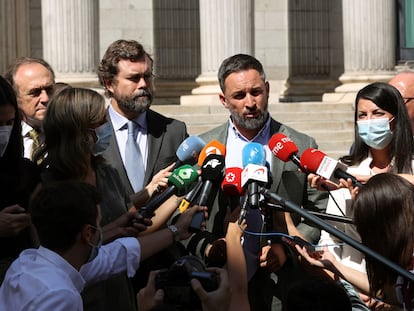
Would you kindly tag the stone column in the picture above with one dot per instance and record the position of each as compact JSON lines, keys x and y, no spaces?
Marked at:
{"x":226,"y":28}
{"x":14,"y":31}
{"x":71,"y":39}
{"x":369,"y":43}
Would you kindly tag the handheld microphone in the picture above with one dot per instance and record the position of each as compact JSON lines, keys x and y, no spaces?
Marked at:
{"x":254,"y":172}
{"x":213,"y":147}
{"x":284,"y":148}
{"x":317,"y":162}
{"x":212,"y":172}
{"x":253,"y":153}
{"x":190,"y":197}
{"x":179,"y":181}
{"x":188,"y":151}
{"x":231,"y":186}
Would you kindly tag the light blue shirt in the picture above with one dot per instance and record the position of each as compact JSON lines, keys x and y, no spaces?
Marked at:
{"x":121,"y":133}
{"x":234,"y":150}
{"x":41,"y":279}
{"x":236,"y":142}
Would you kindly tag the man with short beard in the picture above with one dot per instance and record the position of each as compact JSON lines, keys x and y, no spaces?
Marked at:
{"x":245,"y":93}
{"x":125,"y":72}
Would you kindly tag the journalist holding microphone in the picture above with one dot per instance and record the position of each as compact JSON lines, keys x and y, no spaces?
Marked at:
{"x":383,"y":143}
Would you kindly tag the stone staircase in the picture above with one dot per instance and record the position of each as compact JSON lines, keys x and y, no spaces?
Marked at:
{"x":330,"y":123}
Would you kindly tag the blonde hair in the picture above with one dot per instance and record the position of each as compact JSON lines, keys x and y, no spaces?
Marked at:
{"x":67,"y":130}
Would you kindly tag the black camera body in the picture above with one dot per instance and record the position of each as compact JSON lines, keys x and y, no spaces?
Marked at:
{"x":175,"y":282}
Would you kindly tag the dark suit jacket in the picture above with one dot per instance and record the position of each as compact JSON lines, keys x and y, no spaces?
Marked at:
{"x":287,"y":182}
{"x":164,"y":137}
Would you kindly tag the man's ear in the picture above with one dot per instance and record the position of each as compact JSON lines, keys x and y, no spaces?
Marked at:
{"x":267,"y":86}
{"x":223,"y":100}
{"x":108,"y":86}
{"x":86,"y":234}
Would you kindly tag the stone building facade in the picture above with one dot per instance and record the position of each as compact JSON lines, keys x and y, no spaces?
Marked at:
{"x":311,"y":49}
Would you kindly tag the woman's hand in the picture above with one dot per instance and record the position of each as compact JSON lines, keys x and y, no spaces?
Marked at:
{"x":13,"y":219}
{"x":159,"y":181}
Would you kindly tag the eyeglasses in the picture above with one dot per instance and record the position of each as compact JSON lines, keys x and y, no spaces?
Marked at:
{"x":407,"y":99}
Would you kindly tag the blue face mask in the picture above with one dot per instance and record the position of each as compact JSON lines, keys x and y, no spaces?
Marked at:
{"x":95,"y":248}
{"x":5,"y":132}
{"x":375,"y":133}
{"x":104,"y":134}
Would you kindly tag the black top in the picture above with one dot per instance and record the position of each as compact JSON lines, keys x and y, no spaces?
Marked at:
{"x":16,"y":187}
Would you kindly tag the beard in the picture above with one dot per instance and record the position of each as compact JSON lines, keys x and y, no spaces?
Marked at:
{"x":138,"y":102}
{"x":249,"y":123}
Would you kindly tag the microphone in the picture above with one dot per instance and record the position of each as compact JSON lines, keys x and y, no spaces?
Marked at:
{"x":317,"y":162}
{"x":284,"y":148}
{"x":212,"y":172}
{"x":188,"y":151}
{"x":190,"y":197}
{"x":179,"y":181}
{"x":231,"y":186}
{"x":213,"y":147}
{"x":254,"y":172}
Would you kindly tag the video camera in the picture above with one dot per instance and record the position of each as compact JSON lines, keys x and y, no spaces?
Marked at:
{"x":175,"y":282}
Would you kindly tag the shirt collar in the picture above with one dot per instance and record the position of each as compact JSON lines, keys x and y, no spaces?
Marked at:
{"x":58,"y":261}
{"x":119,"y":121}
{"x":26,"y":128}
{"x":262,"y":136}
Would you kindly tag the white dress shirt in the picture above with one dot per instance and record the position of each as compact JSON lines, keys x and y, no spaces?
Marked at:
{"x":342,"y":201}
{"x":42,"y":280}
{"x":27,"y":140}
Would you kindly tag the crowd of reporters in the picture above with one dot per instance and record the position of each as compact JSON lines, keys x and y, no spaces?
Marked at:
{"x":197,"y":202}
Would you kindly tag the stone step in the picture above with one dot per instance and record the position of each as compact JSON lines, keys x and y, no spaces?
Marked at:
{"x":273,"y":108}
{"x":331,"y":124}
{"x":308,"y":126}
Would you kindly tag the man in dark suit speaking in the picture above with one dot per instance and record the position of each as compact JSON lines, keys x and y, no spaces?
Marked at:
{"x":245,"y":93}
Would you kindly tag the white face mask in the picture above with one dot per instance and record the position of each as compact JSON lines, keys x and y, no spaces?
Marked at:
{"x":95,"y":248}
{"x":5,"y":133}
{"x":375,"y":133}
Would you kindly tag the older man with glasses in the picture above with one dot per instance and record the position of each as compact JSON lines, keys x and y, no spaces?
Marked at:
{"x":404,"y":82}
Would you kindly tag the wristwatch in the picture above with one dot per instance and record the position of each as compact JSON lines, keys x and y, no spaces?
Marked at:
{"x":174,"y":231}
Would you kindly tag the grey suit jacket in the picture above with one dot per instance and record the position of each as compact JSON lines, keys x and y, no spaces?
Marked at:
{"x":287,"y":182}
{"x":164,"y":137}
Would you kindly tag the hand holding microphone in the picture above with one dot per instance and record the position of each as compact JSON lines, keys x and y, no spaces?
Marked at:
{"x":179,"y":181}
{"x":315,"y":161}
{"x":311,"y":161}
